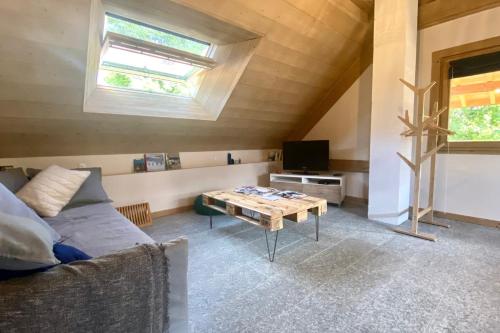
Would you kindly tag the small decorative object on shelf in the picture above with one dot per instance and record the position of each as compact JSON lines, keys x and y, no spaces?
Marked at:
{"x":173,"y":161}
{"x":230,"y":160}
{"x":274,"y":156}
{"x":139,"y":214}
{"x":139,"y":165}
{"x":279,"y":155}
{"x":271,"y":156}
{"x":154,"y":161}
{"x":5,"y":167}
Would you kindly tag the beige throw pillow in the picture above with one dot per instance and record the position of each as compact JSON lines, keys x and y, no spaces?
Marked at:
{"x":52,"y":189}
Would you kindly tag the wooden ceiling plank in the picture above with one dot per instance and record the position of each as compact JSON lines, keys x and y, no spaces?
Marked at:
{"x":435,"y":12}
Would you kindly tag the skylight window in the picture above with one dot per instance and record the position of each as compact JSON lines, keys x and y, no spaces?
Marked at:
{"x":144,"y":58}
{"x":136,"y":68}
{"x":142,"y":31}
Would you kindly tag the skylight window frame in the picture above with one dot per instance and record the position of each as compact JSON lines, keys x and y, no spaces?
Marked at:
{"x":131,"y":44}
{"x":118,"y":41}
{"x":231,"y":46}
{"x":146,"y":25}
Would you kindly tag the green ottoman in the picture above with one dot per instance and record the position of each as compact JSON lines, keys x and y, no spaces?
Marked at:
{"x":206,"y":211}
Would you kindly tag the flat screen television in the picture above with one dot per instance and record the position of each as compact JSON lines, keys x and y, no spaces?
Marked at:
{"x":306,"y":155}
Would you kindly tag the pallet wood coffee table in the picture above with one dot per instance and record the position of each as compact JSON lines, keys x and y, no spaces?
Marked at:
{"x":270,"y":214}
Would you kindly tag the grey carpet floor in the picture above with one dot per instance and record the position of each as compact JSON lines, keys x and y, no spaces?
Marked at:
{"x":359,"y":277}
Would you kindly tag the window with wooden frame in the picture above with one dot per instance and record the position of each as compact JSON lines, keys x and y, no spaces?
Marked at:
{"x":468,"y":78}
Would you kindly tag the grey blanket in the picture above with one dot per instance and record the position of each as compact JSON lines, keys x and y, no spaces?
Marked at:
{"x":122,"y":292}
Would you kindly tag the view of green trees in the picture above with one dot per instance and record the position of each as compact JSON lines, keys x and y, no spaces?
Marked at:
{"x":476,"y":123}
{"x":144,"y":83}
{"x":118,"y":80}
{"x":156,"y":36}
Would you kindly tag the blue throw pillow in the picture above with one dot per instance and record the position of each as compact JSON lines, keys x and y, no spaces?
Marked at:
{"x":64,"y":253}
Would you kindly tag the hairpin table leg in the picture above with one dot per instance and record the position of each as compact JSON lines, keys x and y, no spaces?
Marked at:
{"x":210,"y":221}
{"x":317,"y":227}
{"x":271,"y":259}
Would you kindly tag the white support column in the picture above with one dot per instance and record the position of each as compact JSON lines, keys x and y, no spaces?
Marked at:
{"x":394,"y":57}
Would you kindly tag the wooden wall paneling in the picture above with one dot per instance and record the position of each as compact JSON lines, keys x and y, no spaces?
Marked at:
{"x":433,"y":12}
{"x":49,"y":22}
{"x":40,"y":94}
{"x":438,"y":11}
{"x":349,"y":76}
{"x":277,"y":52}
{"x":88,"y":129}
{"x":227,"y":75}
{"x":231,"y":12}
{"x":13,"y":144}
{"x":253,"y":78}
{"x":288,"y":72}
{"x":243,"y":101}
{"x":349,"y":21}
{"x":352,"y":9}
{"x":350,"y":165}
{"x":271,"y":95}
{"x":365,"y":5}
{"x":304,"y":49}
{"x":311,"y":8}
{"x":256,"y":115}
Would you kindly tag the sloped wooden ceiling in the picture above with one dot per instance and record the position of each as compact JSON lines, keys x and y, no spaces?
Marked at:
{"x":430,"y":12}
{"x":306,"y":46}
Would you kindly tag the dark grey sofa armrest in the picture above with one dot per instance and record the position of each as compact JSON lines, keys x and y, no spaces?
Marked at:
{"x":127,"y":291}
{"x":177,"y":253}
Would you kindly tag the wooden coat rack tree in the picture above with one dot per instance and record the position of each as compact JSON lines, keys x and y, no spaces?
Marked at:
{"x":423,"y":126}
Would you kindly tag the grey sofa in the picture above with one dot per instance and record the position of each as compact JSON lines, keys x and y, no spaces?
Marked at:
{"x":131,"y":285}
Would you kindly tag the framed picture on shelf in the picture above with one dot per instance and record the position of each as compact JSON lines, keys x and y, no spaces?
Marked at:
{"x":139,"y":165}
{"x":173,"y":161}
{"x":154,"y":161}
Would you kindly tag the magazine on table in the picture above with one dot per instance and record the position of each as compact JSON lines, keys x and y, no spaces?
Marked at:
{"x":269,"y":193}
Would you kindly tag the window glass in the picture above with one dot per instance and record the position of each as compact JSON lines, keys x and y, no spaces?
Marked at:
{"x":148,"y":33}
{"x":474,"y":110}
{"x":147,"y":64}
{"x":126,"y":69}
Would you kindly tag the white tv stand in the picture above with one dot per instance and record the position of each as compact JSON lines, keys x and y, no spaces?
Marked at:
{"x":333,"y":192}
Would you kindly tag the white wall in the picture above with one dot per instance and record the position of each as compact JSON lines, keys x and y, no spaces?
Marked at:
{"x":177,"y":188}
{"x":202,"y":171}
{"x":347,"y":126}
{"x":466,"y":184}
{"x":394,"y":57}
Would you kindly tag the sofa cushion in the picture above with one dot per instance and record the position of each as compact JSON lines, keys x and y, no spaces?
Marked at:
{"x":97,"y":229}
{"x":13,"y":179}
{"x":52,"y":189}
{"x":10,"y":204}
{"x":90,"y":192}
{"x":24,"y":244}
